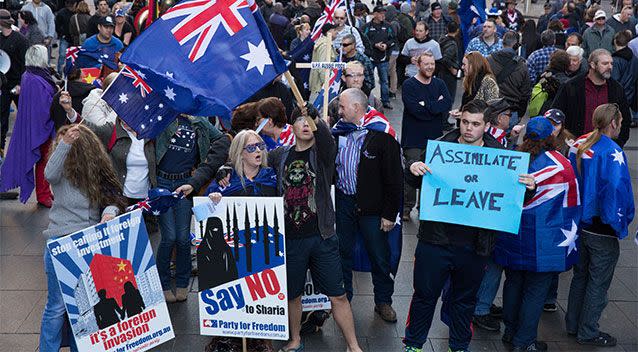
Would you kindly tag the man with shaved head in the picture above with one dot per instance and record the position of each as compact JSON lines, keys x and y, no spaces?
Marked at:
{"x":369,"y":185}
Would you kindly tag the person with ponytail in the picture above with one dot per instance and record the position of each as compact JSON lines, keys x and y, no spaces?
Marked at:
{"x":608,"y":209}
{"x":87,"y":192}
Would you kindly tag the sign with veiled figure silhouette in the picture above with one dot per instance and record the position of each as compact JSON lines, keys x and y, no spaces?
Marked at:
{"x":242,"y":267}
{"x":110,"y":286}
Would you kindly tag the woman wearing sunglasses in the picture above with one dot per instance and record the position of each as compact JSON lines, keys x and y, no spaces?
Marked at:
{"x":247,"y":174}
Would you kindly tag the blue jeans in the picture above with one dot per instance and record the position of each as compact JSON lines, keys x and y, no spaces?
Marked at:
{"x":592,"y":276}
{"x":552,"y":294}
{"x":62,"y":53}
{"x":382,"y":71}
{"x":433,"y":266}
{"x":54,"y":312}
{"x":376,"y":243}
{"x":175,"y":226}
{"x":524,"y":294}
{"x":489,"y":288}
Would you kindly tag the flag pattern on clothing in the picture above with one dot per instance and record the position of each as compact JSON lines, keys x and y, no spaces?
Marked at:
{"x":137,"y":104}
{"x":373,"y":120}
{"x":468,"y":10}
{"x":302,"y":53}
{"x":286,"y":138}
{"x":326,"y":17}
{"x":333,"y":89}
{"x":69,"y":58}
{"x":498,"y":134}
{"x":606,"y":190}
{"x":159,"y":200}
{"x":207,"y":57}
{"x":546,"y":240}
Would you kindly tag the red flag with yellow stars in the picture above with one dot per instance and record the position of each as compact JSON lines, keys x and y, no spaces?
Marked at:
{"x":89,"y":75}
{"x":110,"y":274}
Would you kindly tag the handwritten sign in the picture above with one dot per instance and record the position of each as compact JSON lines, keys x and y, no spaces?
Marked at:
{"x":473,"y":186}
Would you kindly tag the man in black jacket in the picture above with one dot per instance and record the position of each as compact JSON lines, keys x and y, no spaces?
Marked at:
{"x":581,"y":95}
{"x":382,"y":39}
{"x":367,"y":196}
{"x":452,"y":251}
{"x":512,"y":76}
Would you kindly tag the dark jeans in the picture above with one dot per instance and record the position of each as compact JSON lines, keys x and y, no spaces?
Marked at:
{"x":524,"y":294}
{"x":376,"y":243}
{"x":5,"y":104}
{"x":552,"y":294}
{"x":592,"y":277}
{"x":384,"y":80}
{"x":175,"y":227}
{"x":433,"y":266}
{"x":409,"y":192}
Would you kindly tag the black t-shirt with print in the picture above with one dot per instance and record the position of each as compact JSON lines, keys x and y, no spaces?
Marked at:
{"x":299,"y":195}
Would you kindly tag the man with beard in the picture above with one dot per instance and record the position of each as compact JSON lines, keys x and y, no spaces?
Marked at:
{"x":414,"y":47}
{"x":579,"y":97}
{"x":426,"y":102}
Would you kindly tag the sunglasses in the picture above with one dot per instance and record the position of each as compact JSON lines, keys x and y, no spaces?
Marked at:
{"x":339,"y":18}
{"x":251,"y":148}
{"x":355,"y":75}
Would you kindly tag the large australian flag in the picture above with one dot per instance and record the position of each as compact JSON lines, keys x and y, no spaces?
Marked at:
{"x":547,"y":237}
{"x":605,"y":184}
{"x":207,"y":56}
{"x":137,"y":104}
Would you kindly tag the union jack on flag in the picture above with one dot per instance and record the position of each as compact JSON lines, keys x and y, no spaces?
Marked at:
{"x":588,"y":154}
{"x":138,"y":80}
{"x":72,"y":53}
{"x":552,"y":180}
{"x":202,"y":18}
{"x":326,"y":17}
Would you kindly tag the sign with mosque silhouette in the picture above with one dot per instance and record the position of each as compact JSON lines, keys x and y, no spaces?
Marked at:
{"x":241,"y":267}
{"x":111,"y":287}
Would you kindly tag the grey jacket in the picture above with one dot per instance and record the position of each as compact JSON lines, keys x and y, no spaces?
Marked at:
{"x":322,"y":160}
{"x":71,"y":211}
{"x":593,"y":39}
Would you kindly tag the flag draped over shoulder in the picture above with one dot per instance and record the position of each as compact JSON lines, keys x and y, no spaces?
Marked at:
{"x":468,"y":10}
{"x":265,"y":177}
{"x":206,"y":57}
{"x":546,"y":240}
{"x":605,"y":184}
{"x":373,"y":121}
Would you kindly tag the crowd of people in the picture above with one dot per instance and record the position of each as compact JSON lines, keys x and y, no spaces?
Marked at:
{"x":563,"y":87}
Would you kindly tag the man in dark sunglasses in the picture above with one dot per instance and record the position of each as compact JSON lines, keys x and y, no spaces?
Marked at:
{"x":342,"y":28}
{"x":349,"y":53}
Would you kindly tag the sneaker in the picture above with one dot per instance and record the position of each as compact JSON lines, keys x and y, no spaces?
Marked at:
{"x":496,"y":311}
{"x":412,"y":349}
{"x":387,"y":106}
{"x":169,"y":297}
{"x":393,"y":95}
{"x":603,"y":339}
{"x":550,"y":307}
{"x":312,"y":322}
{"x":487,"y":322}
{"x":534,"y":346}
{"x":386,"y":312}
{"x":9,"y":195}
{"x":181,"y":294}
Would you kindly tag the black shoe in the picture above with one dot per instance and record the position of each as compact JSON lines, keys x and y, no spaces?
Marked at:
{"x":486,"y":322}
{"x":313,"y":321}
{"x":634,"y":124}
{"x":8,"y":195}
{"x":387,"y":106}
{"x":603,"y":339}
{"x":393,"y":95}
{"x":534,"y":346}
{"x":507,"y":339}
{"x":496,"y":311}
{"x":550,"y":307}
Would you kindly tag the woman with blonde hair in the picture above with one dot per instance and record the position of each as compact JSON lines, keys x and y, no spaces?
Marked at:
{"x":607,"y":202}
{"x":87,"y":192}
{"x":303,"y":31}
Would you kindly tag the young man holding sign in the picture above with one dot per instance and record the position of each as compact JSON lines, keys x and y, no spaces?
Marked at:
{"x":457,"y":252}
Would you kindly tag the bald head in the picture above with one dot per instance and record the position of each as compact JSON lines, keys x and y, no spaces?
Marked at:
{"x":353,"y":104}
{"x":339,"y":17}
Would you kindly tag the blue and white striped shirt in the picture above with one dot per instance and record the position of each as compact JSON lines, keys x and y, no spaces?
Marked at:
{"x":348,"y":161}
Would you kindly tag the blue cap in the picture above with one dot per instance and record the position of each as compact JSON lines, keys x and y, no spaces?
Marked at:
{"x":555,"y":115}
{"x":539,"y":128}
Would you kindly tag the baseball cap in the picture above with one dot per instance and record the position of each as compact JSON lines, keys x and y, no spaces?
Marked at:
{"x":5,"y":18}
{"x":493,"y":12}
{"x":106,"y":21}
{"x":600,"y":14}
{"x":539,"y":128}
{"x":555,"y":115}
{"x":435,"y":6}
{"x":379,"y":8}
{"x":547,"y":5}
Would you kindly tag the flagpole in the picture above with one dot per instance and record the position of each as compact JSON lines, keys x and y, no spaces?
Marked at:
{"x":103,"y":92}
{"x":297,"y":94}
{"x":326,"y":82}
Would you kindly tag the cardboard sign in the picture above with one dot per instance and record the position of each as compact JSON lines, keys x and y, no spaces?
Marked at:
{"x":312,"y":299}
{"x":110,"y":286}
{"x":242,"y":268}
{"x":473,"y":186}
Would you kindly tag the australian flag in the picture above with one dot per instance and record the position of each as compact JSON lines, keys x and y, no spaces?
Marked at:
{"x":159,"y":200}
{"x":468,"y":10}
{"x":333,"y":89}
{"x":207,"y":56}
{"x":303,"y":54}
{"x":97,"y":57}
{"x":549,"y":224}
{"x":138,"y":104}
{"x":605,"y":184}
{"x":69,"y":58}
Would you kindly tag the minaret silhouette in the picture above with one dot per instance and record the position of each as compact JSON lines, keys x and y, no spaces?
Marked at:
{"x":276,"y":233}
{"x":248,"y":244}
{"x":235,"y":233}
{"x":227,"y":223}
{"x":256,"y":224}
{"x":266,"y":238}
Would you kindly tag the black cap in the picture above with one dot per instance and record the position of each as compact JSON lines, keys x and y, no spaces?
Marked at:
{"x":106,"y":21}
{"x":496,"y":107}
{"x":435,"y":6}
{"x":379,"y":8}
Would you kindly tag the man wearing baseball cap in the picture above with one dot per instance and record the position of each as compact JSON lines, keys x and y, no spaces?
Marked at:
{"x":437,"y":22}
{"x":598,"y":36}
{"x":103,"y":43}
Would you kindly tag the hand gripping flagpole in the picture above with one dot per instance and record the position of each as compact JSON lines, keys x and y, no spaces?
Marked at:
{"x":300,"y":102}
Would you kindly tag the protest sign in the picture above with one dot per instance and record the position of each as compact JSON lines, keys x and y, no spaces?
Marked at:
{"x":312,"y":299}
{"x":473,"y":186}
{"x":110,"y":286}
{"x":241,"y":266}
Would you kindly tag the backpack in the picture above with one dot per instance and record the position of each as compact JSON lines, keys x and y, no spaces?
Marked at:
{"x":545,"y":89}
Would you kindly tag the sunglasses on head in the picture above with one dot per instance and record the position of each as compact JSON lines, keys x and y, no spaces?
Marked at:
{"x":251,"y":148}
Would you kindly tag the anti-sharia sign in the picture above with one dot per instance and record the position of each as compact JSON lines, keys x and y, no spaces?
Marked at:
{"x":474,"y":186}
{"x":111,"y":287}
{"x":241,"y":266}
